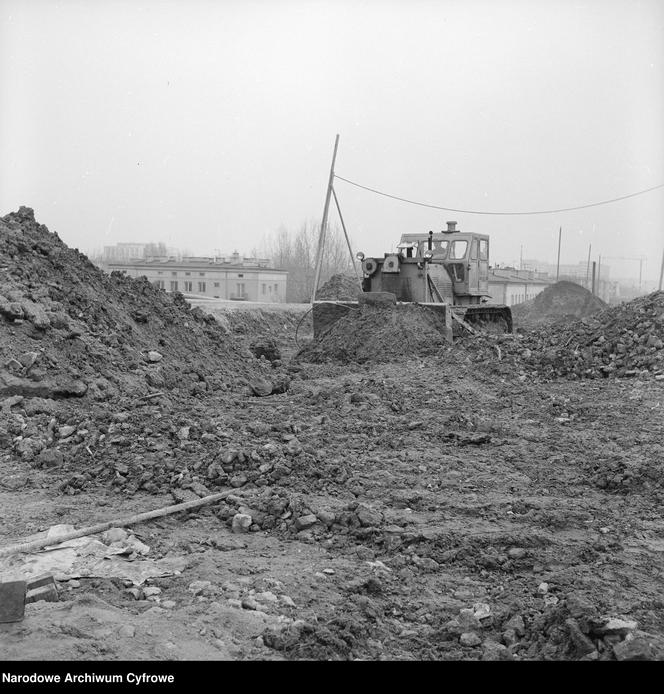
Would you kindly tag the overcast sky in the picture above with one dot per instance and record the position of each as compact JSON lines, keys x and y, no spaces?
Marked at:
{"x":208,"y":125}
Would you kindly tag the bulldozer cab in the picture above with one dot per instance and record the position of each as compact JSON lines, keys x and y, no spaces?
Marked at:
{"x":464,"y":255}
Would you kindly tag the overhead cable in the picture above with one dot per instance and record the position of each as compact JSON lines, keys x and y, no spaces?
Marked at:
{"x":453,"y":209}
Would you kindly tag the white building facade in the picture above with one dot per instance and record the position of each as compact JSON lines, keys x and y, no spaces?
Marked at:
{"x":211,"y":278}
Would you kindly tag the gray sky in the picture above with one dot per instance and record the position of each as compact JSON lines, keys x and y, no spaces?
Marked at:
{"x":208,"y":125}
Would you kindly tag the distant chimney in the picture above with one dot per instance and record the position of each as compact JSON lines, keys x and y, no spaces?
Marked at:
{"x":451,"y":226}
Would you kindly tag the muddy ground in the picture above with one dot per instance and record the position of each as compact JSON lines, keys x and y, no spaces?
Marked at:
{"x":448,"y":506}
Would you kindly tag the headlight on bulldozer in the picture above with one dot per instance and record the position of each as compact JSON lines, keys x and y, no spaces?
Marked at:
{"x":360,"y":256}
{"x":369,"y":266}
{"x":428,"y":255}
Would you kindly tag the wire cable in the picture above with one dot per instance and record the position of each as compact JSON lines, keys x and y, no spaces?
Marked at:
{"x":453,"y":209}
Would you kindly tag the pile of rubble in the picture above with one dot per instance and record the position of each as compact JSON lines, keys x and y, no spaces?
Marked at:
{"x":563,"y":299}
{"x":67,"y":329}
{"x":623,"y":341}
{"x":96,"y":369}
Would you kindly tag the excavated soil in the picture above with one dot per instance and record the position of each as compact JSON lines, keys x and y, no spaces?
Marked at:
{"x":339,"y":288}
{"x":561,"y":300}
{"x":376,"y":334}
{"x":460,"y":503}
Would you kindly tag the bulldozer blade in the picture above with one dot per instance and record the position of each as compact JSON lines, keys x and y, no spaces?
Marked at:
{"x":327,"y":313}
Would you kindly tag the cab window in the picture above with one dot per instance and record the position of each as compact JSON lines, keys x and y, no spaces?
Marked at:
{"x":459,"y":249}
{"x":439,"y":249}
{"x":484,"y":249}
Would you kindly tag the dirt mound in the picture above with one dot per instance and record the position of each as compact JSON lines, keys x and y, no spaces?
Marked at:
{"x":339,"y":288}
{"x":625,"y":340}
{"x":67,"y":329}
{"x":566,"y":299}
{"x":379,"y":334}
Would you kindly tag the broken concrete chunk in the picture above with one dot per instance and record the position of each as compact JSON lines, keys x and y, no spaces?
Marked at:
{"x":306,"y":521}
{"x":260,"y":387}
{"x":368,"y":516}
{"x":241,"y":522}
{"x":470,"y":638}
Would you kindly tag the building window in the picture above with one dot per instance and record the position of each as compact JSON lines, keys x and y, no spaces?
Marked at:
{"x":201,"y":287}
{"x":187,"y":274}
{"x":276,"y":288}
{"x":216,"y":284}
{"x":263,"y":290}
{"x":189,"y":286}
{"x":174,"y":286}
{"x":240,"y":290}
{"x":159,"y":272}
{"x":201,"y":274}
{"x":174,"y":274}
{"x":240,"y":275}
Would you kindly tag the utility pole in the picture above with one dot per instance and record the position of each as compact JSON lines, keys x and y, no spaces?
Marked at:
{"x":588,"y":267}
{"x":560,"y":233}
{"x":599,"y":271}
{"x":323,"y":226}
{"x":593,"y":289}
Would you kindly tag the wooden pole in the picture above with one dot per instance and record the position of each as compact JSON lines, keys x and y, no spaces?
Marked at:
{"x":599,"y":273}
{"x":117,"y":523}
{"x":560,"y":233}
{"x":588,"y":267}
{"x":594,"y":267}
{"x":661,"y":272}
{"x":323,"y":226}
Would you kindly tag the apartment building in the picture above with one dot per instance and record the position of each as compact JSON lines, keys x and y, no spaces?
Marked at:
{"x":235,"y":278}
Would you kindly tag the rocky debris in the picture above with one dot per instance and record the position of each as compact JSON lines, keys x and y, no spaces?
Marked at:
{"x":100,"y":334}
{"x":267,"y":348}
{"x":640,"y":646}
{"x":625,"y":341}
{"x":199,"y":587}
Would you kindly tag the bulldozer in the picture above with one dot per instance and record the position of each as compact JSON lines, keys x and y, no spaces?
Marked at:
{"x":446,"y":272}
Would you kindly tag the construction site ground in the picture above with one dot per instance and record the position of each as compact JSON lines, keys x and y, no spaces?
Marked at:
{"x":445,"y":506}
{"x":486,"y":489}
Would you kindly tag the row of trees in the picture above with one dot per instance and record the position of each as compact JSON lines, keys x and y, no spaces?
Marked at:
{"x":296,"y":252}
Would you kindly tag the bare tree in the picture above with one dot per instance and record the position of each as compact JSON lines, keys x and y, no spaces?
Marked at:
{"x":296,"y":252}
